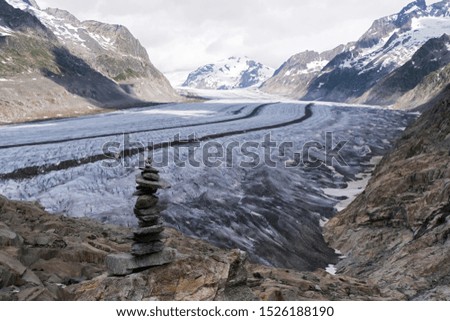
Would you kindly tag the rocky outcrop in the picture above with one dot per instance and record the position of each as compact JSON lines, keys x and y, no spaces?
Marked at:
{"x":396,"y":233}
{"x":41,"y":255}
{"x":294,"y":76}
{"x":430,"y":90}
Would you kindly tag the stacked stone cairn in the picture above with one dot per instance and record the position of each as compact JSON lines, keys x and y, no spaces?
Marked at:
{"x":148,"y":238}
{"x":148,"y":248}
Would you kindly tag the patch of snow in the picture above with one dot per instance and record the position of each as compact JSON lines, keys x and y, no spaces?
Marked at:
{"x":347,"y":64}
{"x":5,"y":31}
{"x":353,"y":189}
{"x":323,"y":221}
{"x":105,"y":42}
{"x":316,"y":65}
{"x":331,"y":269}
{"x":412,"y":9}
{"x":19,"y":4}
{"x":311,"y":67}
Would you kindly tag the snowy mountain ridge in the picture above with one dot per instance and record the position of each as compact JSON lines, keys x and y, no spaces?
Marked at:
{"x":386,"y":46}
{"x":78,"y":66}
{"x":231,"y":73}
{"x":296,"y":73}
{"x":88,"y":39}
{"x":350,"y":72}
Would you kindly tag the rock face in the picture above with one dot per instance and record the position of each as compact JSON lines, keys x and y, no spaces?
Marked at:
{"x":41,"y":255}
{"x":53,"y":65}
{"x":396,"y":234}
{"x":231,"y":73}
{"x":294,"y":76}
{"x":113,"y":51}
{"x":431,"y":59}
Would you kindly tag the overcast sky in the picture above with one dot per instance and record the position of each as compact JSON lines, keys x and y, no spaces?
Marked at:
{"x":185,"y":34}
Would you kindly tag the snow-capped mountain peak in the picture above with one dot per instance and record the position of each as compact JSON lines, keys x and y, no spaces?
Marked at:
{"x":388,"y":44}
{"x":418,"y":6}
{"x":23,"y":4}
{"x":108,"y":53}
{"x":234,"y":72}
{"x":391,"y":41}
{"x":348,"y":72}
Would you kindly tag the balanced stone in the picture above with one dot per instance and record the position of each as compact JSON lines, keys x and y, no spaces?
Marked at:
{"x":149,"y":238}
{"x":151,"y":176}
{"x":139,"y":249}
{"x":149,"y":230}
{"x":140,"y":190}
{"x":150,"y":184}
{"x":143,"y":224}
{"x":146,"y":201}
{"x":125,"y":263}
{"x":149,"y":170}
{"x":148,"y":221}
{"x":148,"y":211}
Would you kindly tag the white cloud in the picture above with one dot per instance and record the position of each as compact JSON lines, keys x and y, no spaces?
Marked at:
{"x":182,"y":35}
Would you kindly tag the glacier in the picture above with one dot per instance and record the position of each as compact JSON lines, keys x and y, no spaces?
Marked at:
{"x":272,"y":212}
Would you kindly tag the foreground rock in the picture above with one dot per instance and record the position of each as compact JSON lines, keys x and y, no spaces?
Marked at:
{"x":397,"y":232}
{"x":50,"y":257}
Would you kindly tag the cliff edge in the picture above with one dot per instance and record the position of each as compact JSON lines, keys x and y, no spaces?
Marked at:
{"x":396,"y":233}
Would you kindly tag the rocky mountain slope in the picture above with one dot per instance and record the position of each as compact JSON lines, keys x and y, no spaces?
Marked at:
{"x":54,"y":65}
{"x":396,"y":233}
{"x":231,"y":73}
{"x":432,"y":57}
{"x":389,"y":44}
{"x":294,"y":76}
